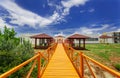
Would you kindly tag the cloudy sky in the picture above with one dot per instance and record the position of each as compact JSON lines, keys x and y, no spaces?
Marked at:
{"x":60,"y":16}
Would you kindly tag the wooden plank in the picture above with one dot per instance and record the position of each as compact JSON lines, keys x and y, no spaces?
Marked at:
{"x":60,"y":66}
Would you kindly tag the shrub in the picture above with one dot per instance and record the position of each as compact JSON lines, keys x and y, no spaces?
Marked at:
{"x":14,"y":57}
{"x":24,"y":51}
{"x":117,"y":66}
{"x":12,"y":53}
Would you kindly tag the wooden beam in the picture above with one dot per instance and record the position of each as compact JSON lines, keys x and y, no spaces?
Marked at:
{"x":79,"y":42}
{"x":84,"y":43}
{"x":35,"y":42}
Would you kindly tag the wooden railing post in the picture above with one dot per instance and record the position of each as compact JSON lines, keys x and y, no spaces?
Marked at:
{"x":72,"y":54}
{"x":81,"y":65}
{"x":39,"y":65}
{"x":69,"y":53}
{"x":48,"y":54}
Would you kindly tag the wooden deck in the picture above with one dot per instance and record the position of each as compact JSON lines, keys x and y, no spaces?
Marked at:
{"x":60,"y":66}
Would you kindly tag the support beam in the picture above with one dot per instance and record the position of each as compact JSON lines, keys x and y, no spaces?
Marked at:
{"x":35,"y":42}
{"x":79,"y":43}
{"x":48,"y":42}
{"x":84,"y":43}
{"x":39,"y":42}
{"x":73,"y":42}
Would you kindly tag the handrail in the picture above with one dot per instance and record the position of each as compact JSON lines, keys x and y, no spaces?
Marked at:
{"x":6,"y":74}
{"x":113,"y":72}
{"x":82,"y":58}
{"x":29,"y":73}
{"x":35,"y":58}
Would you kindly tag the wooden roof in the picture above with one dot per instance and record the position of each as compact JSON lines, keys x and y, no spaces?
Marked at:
{"x":105,"y":36}
{"x":59,"y":36}
{"x":43,"y":35}
{"x":78,"y":36}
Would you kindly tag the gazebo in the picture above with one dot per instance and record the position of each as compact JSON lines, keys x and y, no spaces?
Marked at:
{"x":76,"y":40}
{"x":44,"y":41}
{"x":59,"y":39}
{"x":105,"y":38}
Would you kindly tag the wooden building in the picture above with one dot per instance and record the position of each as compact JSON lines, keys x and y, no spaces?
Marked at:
{"x":44,"y":41}
{"x":77,"y":41}
{"x":104,"y":38}
{"x":59,"y":39}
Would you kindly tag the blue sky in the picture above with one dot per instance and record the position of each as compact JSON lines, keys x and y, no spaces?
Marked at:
{"x":60,"y":16}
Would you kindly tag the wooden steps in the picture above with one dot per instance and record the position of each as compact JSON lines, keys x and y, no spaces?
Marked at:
{"x":60,"y":66}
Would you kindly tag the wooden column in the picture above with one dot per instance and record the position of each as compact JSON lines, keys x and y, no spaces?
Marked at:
{"x":35,"y":42}
{"x":39,"y":42}
{"x":71,"y":42}
{"x":48,"y":42}
{"x":84,"y":43}
{"x":42,"y":41}
{"x":79,"y":42}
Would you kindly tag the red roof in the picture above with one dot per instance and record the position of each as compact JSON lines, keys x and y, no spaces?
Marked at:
{"x":41,"y":36}
{"x":78,"y":36}
{"x":59,"y":36}
{"x":105,"y":36}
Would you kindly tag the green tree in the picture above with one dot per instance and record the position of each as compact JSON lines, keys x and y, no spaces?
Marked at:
{"x":12,"y":53}
{"x":9,"y":33}
{"x":8,"y":40}
{"x":0,"y":32}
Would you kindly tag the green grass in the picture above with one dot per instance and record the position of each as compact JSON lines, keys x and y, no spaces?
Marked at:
{"x":108,"y":54}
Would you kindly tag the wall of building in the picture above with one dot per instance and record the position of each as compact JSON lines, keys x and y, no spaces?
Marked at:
{"x":92,"y":40}
{"x":57,"y":38}
{"x":26,"y":37}
{"x":115,"y":35}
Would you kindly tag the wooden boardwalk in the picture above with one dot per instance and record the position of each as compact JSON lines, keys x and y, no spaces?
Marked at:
{"x":60,"y":66}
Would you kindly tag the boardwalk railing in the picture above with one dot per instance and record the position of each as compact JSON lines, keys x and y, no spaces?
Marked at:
{"x":86,"y":67}
{"x":36,"y":61}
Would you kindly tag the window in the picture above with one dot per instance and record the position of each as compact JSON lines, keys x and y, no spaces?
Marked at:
{"x":92,"y":39}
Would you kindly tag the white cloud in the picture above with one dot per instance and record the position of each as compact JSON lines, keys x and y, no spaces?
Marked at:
{"x":93,"y":25}
{"x":113,"y":27}
{"x":65,"y":6}
{"x":43,"y":6}
{"x":3,"y":23}
{"x":85,"y":30}
{"x":91,"y":10}
{"x":71,"y":3}
{"x":118,"y":30}
{"x":21,"y":16}
{"x":60,"y":34}
{"x":82,"y":11}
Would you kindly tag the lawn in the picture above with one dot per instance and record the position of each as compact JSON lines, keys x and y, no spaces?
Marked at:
{"x":107,"y":54}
